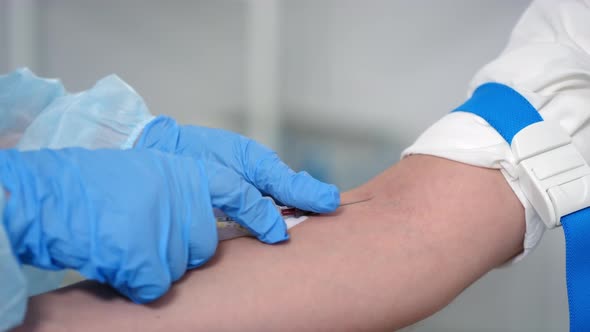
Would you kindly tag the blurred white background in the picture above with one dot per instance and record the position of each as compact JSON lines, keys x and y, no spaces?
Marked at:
{"x":339,"y":88}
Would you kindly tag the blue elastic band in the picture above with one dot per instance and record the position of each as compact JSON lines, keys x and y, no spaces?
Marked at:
{"x":502,"y":107}
{"x":509,"y":112}
{"x":576,"y":227}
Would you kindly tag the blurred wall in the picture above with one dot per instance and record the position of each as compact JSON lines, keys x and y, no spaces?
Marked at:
{"x":184,"y":57}
{"x":3,"y":38}
{"x":359,"y":80}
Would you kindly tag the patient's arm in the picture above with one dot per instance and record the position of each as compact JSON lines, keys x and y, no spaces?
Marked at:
{"x":432,"y":228}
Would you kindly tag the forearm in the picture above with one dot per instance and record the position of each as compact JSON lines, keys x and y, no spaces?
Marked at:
{"x":431,"y":228}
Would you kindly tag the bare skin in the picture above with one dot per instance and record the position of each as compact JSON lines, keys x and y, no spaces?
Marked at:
{"x":431,"y":229}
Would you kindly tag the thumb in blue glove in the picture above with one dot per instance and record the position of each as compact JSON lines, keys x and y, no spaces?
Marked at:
{"x":134,"y":219}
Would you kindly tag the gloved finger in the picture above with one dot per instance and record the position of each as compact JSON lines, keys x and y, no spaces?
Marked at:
{"x":203,"y":235}
{"x":144,"y":277}
{"x":144,"y":294}
{"x":187,"y":242}
{"x":153,"y":279}
{"x":141,"y":278}
{"x":243,"y":202}
{"x":199,"y":229}
{"x":148,"y":282}
{"x":200,"y":221}
{"x":147,"y":292}
{"x":271,"y":175}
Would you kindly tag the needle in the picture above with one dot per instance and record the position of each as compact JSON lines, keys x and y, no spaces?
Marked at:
{"x":354,"y":202}
{"x":295,"y":212}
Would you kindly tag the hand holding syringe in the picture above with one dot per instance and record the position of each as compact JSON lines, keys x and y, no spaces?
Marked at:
{"x":228,"y":229}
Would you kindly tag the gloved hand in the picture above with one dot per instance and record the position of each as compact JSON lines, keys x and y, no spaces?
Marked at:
{"x":134,"y":219}
{"x":256,"y":169}
{"x":112,"y":114}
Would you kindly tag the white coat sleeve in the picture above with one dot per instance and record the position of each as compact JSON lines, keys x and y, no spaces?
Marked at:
{"x":547,"y":60}
{"x":13,"y":291}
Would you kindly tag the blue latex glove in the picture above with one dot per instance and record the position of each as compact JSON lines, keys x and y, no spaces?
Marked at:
{"x":134,"y":219}
{"x":257,"y":169}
